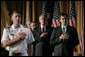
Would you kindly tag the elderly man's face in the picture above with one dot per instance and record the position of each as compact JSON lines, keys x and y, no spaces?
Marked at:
{"x":42,"y":19}
{"x":16,"y":18}
{"x":33,"y":25}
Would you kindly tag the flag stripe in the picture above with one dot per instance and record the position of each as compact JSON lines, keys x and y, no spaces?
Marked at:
{"x":52,"y":24}
{"x":56,"y":12}
{"x":44,"y":8}
{"x":59,"y":21}
{"x":72,"y":15}
{"x":72,"y":22}
{"x":56,"y":24}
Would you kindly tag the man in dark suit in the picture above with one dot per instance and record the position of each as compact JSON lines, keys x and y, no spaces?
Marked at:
{"x":4,"y":52}
{"x":64,"y":38}
{"x":42,"y":38}
{"x":33,"y":27}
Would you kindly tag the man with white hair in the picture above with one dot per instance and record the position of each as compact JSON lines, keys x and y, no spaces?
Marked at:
{"x":42,"y":37}
{"x":28,"y":23}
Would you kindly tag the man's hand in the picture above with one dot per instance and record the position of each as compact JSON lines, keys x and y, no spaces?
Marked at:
{"x":43,"y":34}
{"x":11,"y":42}
{"x":64,"y":36}
{"x":53,"y":54}
{"x":21,"y":35}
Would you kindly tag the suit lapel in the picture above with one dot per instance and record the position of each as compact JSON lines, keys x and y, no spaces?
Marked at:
{"x":40,"y":30}
{"x":47,"y":28}
{"x":67,"y":29}
{"x":61,"y":29}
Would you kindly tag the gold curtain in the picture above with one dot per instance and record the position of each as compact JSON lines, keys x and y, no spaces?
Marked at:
{"x":33,"y":11}
{"x":5,"y":18}
{"x":23,"y":13}
{"x":79,"y":18}
{"x":28,"y":10}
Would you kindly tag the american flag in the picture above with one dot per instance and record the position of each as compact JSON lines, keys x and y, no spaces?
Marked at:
{"x":72,"y":14}
{"x":44,"y":8}
{"x":72,"y":23}
{"x":82,"y":43}
{"x":56,"y":12}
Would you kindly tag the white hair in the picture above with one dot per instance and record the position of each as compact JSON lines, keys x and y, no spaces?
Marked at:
{"x":28,"y":22}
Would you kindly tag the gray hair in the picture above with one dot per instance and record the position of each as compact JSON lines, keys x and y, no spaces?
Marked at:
{"x":28,"y":22}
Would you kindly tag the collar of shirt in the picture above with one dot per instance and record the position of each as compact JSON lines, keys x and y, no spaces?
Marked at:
{"x":44,"y":27}
{"x":16,"y":28}
{"x":64,"y":27}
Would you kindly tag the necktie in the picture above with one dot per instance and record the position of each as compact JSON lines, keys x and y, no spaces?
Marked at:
{"x":63,"y":29}
{"x":42,"y":29}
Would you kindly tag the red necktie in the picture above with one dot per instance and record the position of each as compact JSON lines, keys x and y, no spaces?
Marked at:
{"x":42,"y":29}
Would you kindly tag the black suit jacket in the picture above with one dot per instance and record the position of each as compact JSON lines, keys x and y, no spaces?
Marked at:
{"x":64,"y":47}
{"x":42,"y":47}
{"x":4,"y":52}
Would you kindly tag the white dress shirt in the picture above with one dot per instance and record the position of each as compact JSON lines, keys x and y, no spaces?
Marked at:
{"x":44,"y":28}
{"x":64,"y":27}
{"x":21,"y":46}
